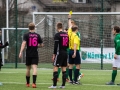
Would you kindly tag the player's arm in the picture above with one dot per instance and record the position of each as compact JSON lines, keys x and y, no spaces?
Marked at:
{"x":56,"y":42}
{"x":3,"y":46}
{"x":75,"y":46}
{"x":117,"y":49}
{"x":69,"y":25}
{"x":69,"y":21}
{"x":22,"y":48}
{"x":40,"y":42}
{"x":23,"y":45}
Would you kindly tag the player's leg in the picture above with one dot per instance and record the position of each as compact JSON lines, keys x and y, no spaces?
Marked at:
{"x":116,"y":63}
{"x":0,"y":63}
{"x":59,"y":70}
{"x":114,"y":74}
{"x":67,"y":68}
{"x":0,"y":69}
{"x":67,"y":73}
{"x":77,"y":61}
{"x":55,"y":71}
{"x":34,"y":67}
{"x":63,"y":65}
{"x":28,"y":68}
{"x":63,"y":77}
{"x":55,"y":76}
{"x":80,"y":74}
{"x":71,"y":62}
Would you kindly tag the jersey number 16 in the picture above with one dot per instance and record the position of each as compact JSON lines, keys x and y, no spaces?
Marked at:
{"x":33,"y":41}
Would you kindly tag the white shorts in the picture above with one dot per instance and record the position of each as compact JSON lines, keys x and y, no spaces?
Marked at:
{"x":116,"y":62}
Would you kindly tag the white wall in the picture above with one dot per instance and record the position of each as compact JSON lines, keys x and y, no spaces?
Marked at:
{"x":30,"y":5}
{"x":116,"y":8}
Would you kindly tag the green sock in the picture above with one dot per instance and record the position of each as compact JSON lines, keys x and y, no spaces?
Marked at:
{"x":114,"y":74}
{"x":67,"y":72}
{"x":59,"y":70}
{"x":74,"y":68}
{"x":79,"y":73}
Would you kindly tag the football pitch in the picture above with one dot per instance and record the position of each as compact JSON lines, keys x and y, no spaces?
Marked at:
{"x":14,"y":79}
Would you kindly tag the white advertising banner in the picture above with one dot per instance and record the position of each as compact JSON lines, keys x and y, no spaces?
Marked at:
{"x":93,"y":55}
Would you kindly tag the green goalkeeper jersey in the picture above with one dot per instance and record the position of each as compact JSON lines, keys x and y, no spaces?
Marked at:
{"x":117,"y":44}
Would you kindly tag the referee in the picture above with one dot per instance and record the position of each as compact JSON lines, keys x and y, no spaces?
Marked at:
{"x":74,"y":55}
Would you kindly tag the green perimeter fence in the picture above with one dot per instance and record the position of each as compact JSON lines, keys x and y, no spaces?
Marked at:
{"x":97,"y":47}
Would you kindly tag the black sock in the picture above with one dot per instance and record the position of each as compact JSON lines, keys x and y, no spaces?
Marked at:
{"x":76,"y":73}
{"x":34,"y":79}
{"x":28,"y":79}
{"x":70,"y":74}
{"x":55,"y":76}
{"x":63,"y":78}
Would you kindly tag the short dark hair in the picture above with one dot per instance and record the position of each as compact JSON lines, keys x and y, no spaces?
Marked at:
{"x":117,"y":29}
{"x":59,"y":25}
{"x":31,"y":26}
{"x":74,"y":28}
{"x":66,"y":29}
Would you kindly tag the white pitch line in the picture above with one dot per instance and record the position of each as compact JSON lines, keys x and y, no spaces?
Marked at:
{"x":51,"y":73}
{"x":51,"y":83}
{"x":11,"y":72}
{"x":22,"y":72}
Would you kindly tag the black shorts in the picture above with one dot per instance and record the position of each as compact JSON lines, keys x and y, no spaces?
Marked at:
{"x":32,"y":60}
{"x":61,"y":59}
{"x":76,"y":60}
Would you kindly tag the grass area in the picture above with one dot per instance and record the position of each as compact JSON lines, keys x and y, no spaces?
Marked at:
{"x":14,"y":79}
{"x":49,"y":65}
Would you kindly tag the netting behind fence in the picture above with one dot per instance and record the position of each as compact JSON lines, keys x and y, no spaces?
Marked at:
{"x":96,"y":37}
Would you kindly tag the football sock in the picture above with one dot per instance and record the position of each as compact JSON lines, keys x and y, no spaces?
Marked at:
{"x":70,"y":74}
{"x":74,"y":68}
{"x":114,"y":74}
{"x":67,"y":72}
{"x":59,"y":70}
{"x":55,"y":76}
{"x":34,"y":79}
{"x":63,"y":78}
{"x":76,"y":73}
{"x":28,"y":79}
{"x":79,"y":73}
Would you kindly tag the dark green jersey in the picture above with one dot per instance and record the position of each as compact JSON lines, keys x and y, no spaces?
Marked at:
{"x":117,"y":44}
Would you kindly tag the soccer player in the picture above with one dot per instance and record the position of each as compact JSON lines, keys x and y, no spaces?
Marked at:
{"x":78,"y":34}
{"x":1,"y":46}
{"x":32,"y":40}
{"x":116,"y":61}
{"x":60,"y":55}
{"x":74,"y":55}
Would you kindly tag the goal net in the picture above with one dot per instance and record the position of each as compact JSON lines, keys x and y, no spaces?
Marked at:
{"x":97,"y":47}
